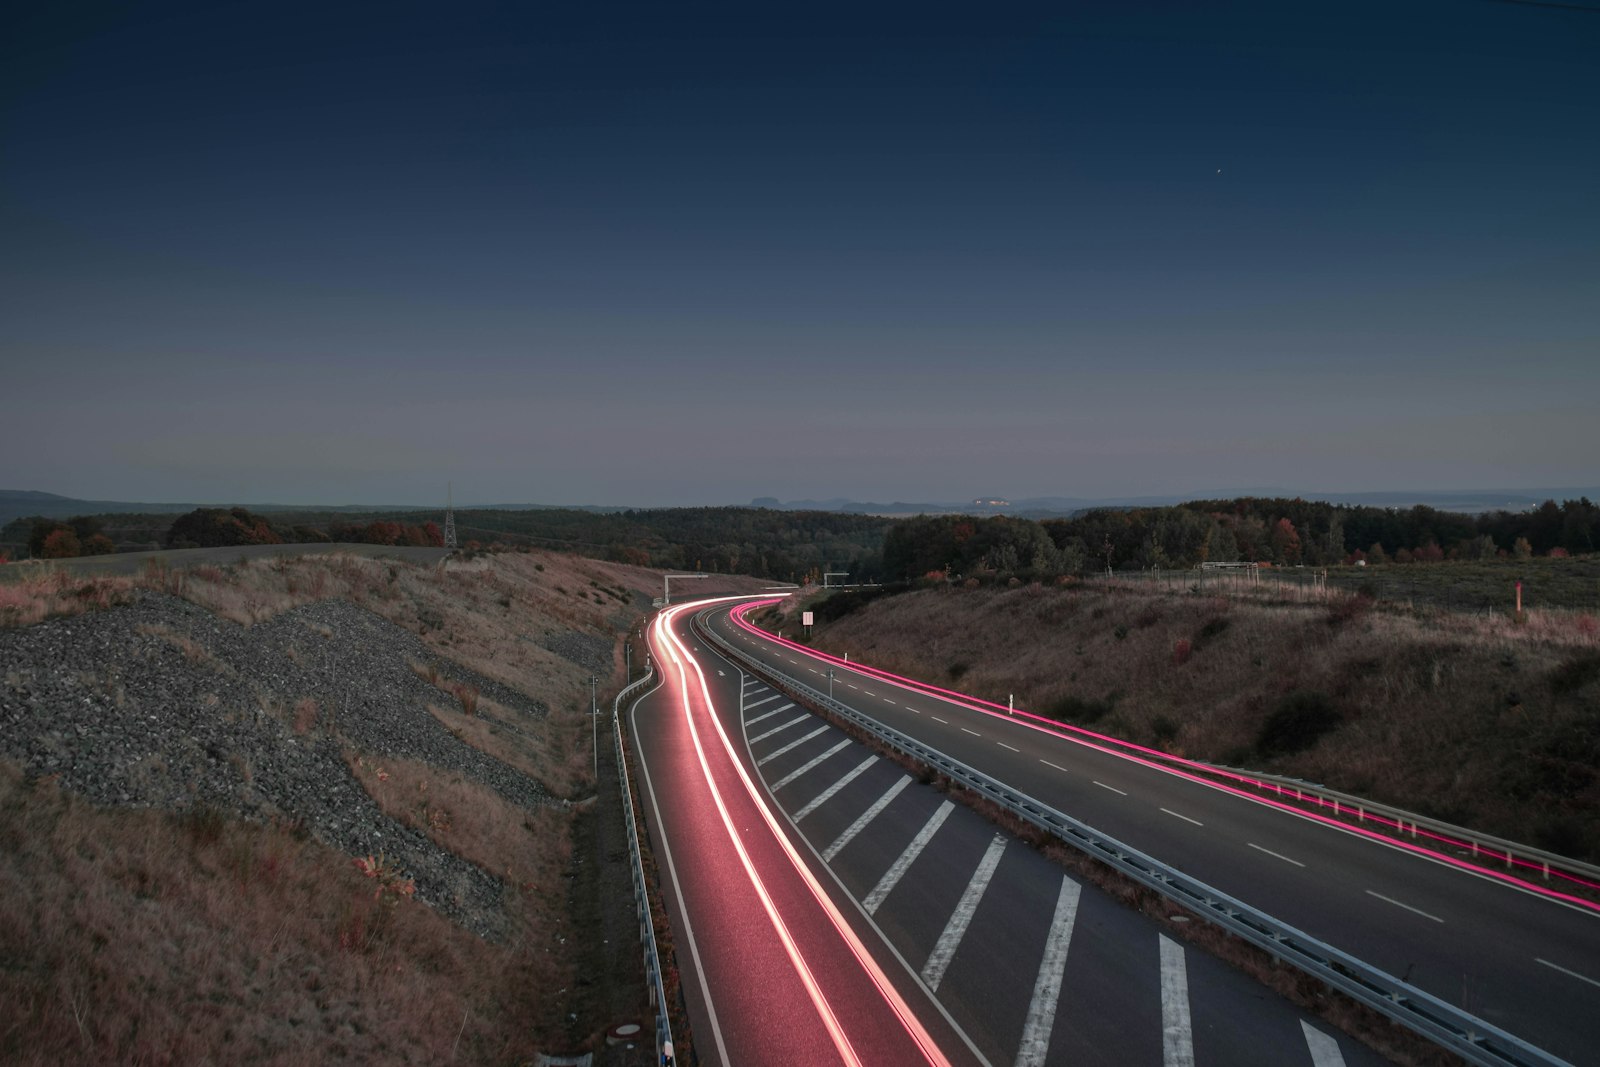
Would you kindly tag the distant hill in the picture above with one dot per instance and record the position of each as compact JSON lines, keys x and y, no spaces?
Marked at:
{"x":1467,"y":502}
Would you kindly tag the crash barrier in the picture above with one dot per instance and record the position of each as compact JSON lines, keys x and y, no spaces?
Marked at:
{"x":641,"y":894}
{"x":1473,"y":1039}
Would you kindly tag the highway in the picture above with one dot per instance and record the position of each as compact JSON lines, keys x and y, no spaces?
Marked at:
{"x":830,"y":908}
{"x":1523,"y":962}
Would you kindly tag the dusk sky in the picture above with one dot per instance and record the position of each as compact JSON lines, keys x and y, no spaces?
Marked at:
{"x":681,"y":254}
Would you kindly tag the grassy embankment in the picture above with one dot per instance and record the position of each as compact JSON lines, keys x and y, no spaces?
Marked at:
{"x":1478,"y":719}
{"x":146,"y":936}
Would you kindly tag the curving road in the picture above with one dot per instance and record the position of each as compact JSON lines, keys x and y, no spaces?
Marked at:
{"x":1521,"y":961}
{"x":829,"y":908}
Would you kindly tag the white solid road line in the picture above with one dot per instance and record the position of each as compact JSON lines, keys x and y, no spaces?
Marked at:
{"x":1102,"y":785}
{"x":945,"y":949}
{"x":1047,"y":987}
{"x":672,"y":869}
{"x":1177,"y":1037}
{"x":792,"y":745}
{"x":1324,"y":1049}
{"x":866,"y":817}
{"x":1275,"y":855}
{"x":1408,"y":907}
{"x":779,"y":729}
{"x":768,"y":714}
{"x":897,"y":870}
{"x":827,"y":794}
{"x":1563,"y":970}
{"x":811,"y":764}
{"x":1002,"y":744}
{"x":1185,"y":818}
{"x":763,"y":700}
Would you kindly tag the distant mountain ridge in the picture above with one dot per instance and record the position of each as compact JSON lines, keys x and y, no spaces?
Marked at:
{"x":21,"y":503}
{"x":1461,"y":501}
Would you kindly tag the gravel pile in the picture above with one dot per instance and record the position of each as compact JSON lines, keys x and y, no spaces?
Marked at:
{"x":589,"y":651}
{"x":162,"y":704}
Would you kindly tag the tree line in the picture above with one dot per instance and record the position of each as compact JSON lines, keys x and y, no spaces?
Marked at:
{"x":1253,"y":530}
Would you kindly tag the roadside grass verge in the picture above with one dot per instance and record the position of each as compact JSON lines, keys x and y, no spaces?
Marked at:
{"x":1479,"y":720}
{"x":143,"y":937}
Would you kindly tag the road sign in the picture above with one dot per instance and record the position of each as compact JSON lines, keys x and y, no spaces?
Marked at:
{"x":805,"y":618}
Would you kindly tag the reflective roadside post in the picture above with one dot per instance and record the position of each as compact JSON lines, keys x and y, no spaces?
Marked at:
{"x":594,"y":728}
{"x":830,"y":683}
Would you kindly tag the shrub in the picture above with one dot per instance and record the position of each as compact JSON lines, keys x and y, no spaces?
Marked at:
{"x":1211,"y":628}
{"x":1181,"y":651}
{"x":1301,"y":719}
{"x":956,"y":670}
{"x":61,"y":544}
{"x":1575,"y":673}
{"x":1077,"y":710}
{"x":99,"y":545}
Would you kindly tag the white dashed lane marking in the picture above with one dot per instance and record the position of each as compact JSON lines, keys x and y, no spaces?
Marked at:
{"x":1277,"y":855}
{"x":1002,"y":744}
{"x":1563,"y":970}
{"x":1185,"y":818}
{"x":1102,"y":785}
{"x":811,"y":764}
{"x":945,"y":949}
{"x":866,"y":817}
{"x":897,"y":870}
{"x":827,"y":794}
{"x":1324,"y":1049}
{"x":1408,"y":907}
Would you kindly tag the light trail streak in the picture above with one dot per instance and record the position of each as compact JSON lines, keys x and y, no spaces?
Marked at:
{"x":1079,"y":736}
{"x":902,"y":1011}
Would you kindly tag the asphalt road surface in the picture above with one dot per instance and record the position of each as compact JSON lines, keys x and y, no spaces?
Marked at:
{"x":1528,"y":964}
{"x":829,"y":908}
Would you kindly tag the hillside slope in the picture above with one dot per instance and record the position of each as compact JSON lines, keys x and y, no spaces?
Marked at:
{"x":295,"y":810}
{"x":1473,"y":719}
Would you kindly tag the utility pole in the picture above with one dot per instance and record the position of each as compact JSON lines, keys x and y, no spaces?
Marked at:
{"x":594,"y":731}
{"x":449,"y":517}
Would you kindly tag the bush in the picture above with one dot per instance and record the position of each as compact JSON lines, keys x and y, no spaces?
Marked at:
{"x":1181,"y":651}
{"x":1575,"y":673}
{"x":61,"y":544}
{"x":1299,"y":721}
{"x":1075,"y":709}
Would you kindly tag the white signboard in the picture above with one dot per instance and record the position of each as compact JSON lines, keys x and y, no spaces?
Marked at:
{"x":805,"y":618}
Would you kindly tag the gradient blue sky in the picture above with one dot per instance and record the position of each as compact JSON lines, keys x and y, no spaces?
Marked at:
{"x":682,"y":254}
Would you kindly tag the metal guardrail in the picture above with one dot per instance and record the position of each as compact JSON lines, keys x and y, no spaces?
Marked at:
{"x":1511,"y":853}
{"x":647,"y":926}
{"x":1473,"y":1039}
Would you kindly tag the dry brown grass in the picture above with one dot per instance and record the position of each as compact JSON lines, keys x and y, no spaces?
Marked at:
{"x":1453,"y":716}
{"x":41,"y":595}
{"x":553,"y":750}
{"x":138,"y":937}
{"x":529,"y":849}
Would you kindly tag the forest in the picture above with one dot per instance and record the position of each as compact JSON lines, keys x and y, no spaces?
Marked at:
{"x":801,"y":546}
{"x":1278,"y":532}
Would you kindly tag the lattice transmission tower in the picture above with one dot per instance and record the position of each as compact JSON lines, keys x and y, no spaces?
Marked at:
{"x":449,"y":517}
